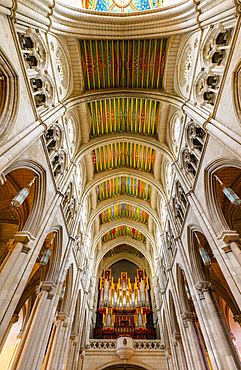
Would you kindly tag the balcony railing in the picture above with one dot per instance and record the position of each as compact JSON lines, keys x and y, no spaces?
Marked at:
{"x":139,"y":344}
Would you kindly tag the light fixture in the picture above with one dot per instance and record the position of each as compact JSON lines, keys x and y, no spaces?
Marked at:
{"x":22,"y":195}
{"x":62,"y":292}
{"x":203,"y":252}
{"x":229,"y":193}
{"x":46,"y":255}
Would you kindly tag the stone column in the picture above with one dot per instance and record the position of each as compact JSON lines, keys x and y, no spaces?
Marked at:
{"x":224,"y":355}
{"x":193,"y":346}
{"x":19,"y":265}
{"x":56,"y":348}
{"x":71,"y":352}
{"x":10,"y":276}
{"x":12,"y":321}
{"x":168,"y":355}
{"x":176,"y":339}
{"x":207,"y":228}
{"x":32,"y":347}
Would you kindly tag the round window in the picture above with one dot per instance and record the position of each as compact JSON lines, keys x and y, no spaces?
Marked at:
{"x":168,"y":174}
{"x":70,"y":128}
{"x":176,"y":129}
{"x":61,"y":67}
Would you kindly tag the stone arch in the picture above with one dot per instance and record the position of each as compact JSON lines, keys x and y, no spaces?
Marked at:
{"x":124,"y":137}
{"x":66,"y":304}
{"x":219,"y":222}
{"x":181,"y":289}
{"x":9,"y":92}
{"x":172,"y":309}
{"x":126,"y":240}
{"x":102,"y":206}
{"x":124,"y":221}
{"x":122,"y":256}
{"x":139,"y":366}
{"x":237,"y":90}
{"x":165,"y":331}
{"x":128,"y":172}
{"x":76,"y":319}
{"x":194,"y":259}
{"x":53,"y":274}
{"x":34,"y":218}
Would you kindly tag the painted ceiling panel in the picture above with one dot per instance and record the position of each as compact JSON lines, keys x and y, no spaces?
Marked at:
{"x":123,"y":186}
{"x":124,"y":63}
{"x":122,"y":6}
{"x":123,"y":231}
{"x":124,"y":248}
{"x":137,"y":116}
{"x":124,"y":154}
{"x":123,"y":210}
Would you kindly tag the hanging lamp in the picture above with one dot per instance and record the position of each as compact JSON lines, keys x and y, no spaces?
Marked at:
{"x":229,"y":193}
{"x":46,"y":255}
{"x":203,"y":252}
{"x":22,"y":195}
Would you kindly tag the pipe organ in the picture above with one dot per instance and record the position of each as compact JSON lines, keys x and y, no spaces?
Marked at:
{"x":124,"y":306}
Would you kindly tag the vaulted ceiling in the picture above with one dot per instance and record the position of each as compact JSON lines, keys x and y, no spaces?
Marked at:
{"x":125,"y":140}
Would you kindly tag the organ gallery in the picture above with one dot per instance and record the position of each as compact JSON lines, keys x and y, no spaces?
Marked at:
{"x":125,"y":305}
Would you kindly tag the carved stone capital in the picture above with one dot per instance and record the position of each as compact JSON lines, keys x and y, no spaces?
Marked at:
{"x":24,"y":237}
{"x":202,"y":286}
{"x":229,"y":236}
{"x":176,"y":337}
{"x":186,"y":317}
{"x":49,"y":287}
{"x":62,"y":316}
{"x":73,"y":336}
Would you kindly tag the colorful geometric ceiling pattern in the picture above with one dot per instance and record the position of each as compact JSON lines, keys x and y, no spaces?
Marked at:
{"x":123,"y":210}
{"x":122,"y":6}
{"x":124,"y":63}
{"x":124,"y":154}
{"x":130,"y":232}
{"x":124,"y":248}
{"x":137,"y":116}
{"x":123,"y":186}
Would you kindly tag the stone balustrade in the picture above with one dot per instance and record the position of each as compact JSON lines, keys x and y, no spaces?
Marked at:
{"x":139,"y":344}
{"x":102,"y":344}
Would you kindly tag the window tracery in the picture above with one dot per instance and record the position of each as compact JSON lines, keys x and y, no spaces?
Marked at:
{"x":35,"y":60}
{"x":69,"y":204}
{"x":179,"y":204}
{"x":192,"y":153}
{"x":53,"y":139}
{"x":185,"y":67}
{"x":217,"y":46}
{"x":59,"y":163}
{"x":57,"y":155}
{"x":61,"y":67}
{"x":213,"y":59}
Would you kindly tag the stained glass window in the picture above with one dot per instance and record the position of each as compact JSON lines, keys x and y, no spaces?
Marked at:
{"x":60,"y":68}
{"x":122,"y":6}
{"x":168,"y":174}
{"x":187,"y":64}
{"x":176,"y":129}
{"x":70,"y":127}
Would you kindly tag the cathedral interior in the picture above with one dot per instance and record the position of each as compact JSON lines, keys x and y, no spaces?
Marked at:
{"x":120,"y":185}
